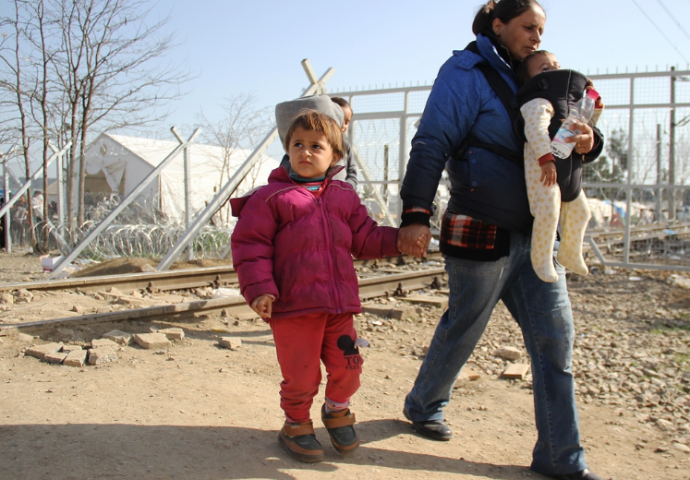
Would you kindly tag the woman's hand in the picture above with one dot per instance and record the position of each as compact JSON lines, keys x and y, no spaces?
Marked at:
{"x":263,"y":305}
{"x":414,"y":240}
{"x":584,"y":140}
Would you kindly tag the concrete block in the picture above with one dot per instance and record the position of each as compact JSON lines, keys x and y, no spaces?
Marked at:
{"x":25,"y":338}
{"x":233,"y":343}
{"x":54,"y":357}
{"x":397,"y":313}
{"x":102,"y":342}
{"x":76,"y":358}
{"x":466,"y":376}
{"x":40,"y":351}
{"x":118,"y":336}
{"x":101,"y":355}
{"x":70,"y":348}
{"x":152,"y":341}
{"x":440,"y":302}
{"x":516,"y":371}
{"x":173,"y":333}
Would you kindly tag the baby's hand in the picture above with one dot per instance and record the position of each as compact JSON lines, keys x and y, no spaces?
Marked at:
{"x":548,"y":174}
{"x":263,"y":305}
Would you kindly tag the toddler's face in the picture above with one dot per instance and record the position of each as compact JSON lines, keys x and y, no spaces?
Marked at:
{"x":542,"y":63}
{"x":310,"y":153}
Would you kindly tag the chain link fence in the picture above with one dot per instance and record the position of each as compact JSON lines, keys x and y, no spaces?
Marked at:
{"x":639,"y":189}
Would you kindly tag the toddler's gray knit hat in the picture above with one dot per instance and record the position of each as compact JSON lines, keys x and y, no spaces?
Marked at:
{"x":286,"y":112}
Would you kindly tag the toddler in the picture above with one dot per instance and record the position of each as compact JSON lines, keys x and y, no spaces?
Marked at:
{"x":541,"y":178}
{"x":292,"y":248}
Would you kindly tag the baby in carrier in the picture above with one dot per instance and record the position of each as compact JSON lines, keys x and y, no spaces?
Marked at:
{"x":544,"y":99}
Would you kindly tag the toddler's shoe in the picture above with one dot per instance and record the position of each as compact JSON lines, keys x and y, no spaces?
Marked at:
{"x":341,"y":430}
{"x":299,"y":441}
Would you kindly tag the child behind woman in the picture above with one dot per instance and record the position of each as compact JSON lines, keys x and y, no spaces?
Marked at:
{"x":292,"y":248}
{"x":542,"y":188}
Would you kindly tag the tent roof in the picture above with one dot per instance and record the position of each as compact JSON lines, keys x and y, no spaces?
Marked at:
{"x":154,"y":151}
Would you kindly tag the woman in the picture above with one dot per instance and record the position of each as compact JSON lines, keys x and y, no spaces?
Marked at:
{"x":485,"y":237}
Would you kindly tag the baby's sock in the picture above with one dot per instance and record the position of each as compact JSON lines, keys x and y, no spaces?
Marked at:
{"x":332,"y":406}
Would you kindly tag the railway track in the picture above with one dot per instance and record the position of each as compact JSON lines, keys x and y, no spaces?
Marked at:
{"x":370,"y":287}
{"x":156,"y":282}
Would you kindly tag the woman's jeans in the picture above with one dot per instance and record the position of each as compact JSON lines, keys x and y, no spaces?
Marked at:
{"x":543,"y":312}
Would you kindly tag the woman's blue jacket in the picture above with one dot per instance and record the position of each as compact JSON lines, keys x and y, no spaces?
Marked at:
{"x":484,"y":185}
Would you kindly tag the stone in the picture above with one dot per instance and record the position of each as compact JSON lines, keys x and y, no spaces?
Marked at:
{"x":173,"y":333}
{"x":508,"y":353}
{"x":397,"y":313}
{"x":23,"y":293}
{"x":101,"y":355}
{"x":233,"y":343}
{"x":102,"y":342}
{"x":40,"y":351}
{"x":78,"y":309}
{"x":75,"y":358}
{"x":54,"y":357}
{"x":516,"y":371}
{"x":681,"y":448}
{"x":147,"y":268}
{"x":152,"y":341}
{"x":6,"y":299}
{"x":118,"y":336}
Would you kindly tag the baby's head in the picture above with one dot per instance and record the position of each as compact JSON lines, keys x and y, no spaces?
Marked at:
{"x":314,"y":143}
{"x":536,"y":63}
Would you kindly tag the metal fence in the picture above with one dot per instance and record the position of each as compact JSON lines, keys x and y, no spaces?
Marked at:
{"x":639,"y":189}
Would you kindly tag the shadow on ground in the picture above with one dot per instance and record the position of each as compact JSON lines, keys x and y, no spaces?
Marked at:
{"x":213,"y":453}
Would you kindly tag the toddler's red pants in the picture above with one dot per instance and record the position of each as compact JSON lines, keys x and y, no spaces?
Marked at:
{"x":301,"y":343}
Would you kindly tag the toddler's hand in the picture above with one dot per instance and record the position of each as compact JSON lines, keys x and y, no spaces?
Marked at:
{"x":422,"y":245}
{"x":263,"y":305}
{"x":548,"y":174}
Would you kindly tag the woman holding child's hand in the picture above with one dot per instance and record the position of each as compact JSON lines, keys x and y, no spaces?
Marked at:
{"x":486,"y":235}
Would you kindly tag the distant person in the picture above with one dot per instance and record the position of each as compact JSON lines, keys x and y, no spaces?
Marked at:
{"x":349,"y":173}
{"x":543,"y":96}
{"x":292,"y":248}
{"x":37,"y":206}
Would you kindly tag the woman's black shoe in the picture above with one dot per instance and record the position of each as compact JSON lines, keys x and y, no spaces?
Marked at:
{"x":433,"y":429}
{"x":581,"y":475}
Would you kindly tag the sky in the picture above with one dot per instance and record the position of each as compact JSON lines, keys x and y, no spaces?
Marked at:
{"x":255,"y":47}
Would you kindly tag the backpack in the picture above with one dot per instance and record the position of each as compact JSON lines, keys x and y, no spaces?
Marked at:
{"x":564,"y":89}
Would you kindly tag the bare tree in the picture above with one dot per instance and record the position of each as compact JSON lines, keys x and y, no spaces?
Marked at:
{"x":95,"y":66}
{"x":241,"y":127}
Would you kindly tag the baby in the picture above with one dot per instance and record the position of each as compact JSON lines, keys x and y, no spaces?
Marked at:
{"x":543,"y":191}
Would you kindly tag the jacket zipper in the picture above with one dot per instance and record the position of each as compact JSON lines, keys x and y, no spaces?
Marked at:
{"x":331,"y":267}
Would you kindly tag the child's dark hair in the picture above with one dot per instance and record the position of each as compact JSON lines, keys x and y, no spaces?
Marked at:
{"x":320,"y":122}
{"x":342,"y":102}
{"x":522,"y":72}
{"x":504,"y":10}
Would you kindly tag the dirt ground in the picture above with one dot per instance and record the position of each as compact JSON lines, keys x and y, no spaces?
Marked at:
{"x":198,"y":411}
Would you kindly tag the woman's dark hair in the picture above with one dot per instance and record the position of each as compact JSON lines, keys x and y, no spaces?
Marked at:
{"x":504,"y":10}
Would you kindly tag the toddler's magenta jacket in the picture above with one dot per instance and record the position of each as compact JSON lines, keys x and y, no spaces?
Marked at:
{"x":298,"y":247}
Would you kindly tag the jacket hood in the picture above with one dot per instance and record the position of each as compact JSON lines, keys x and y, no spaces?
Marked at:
{"x":488,"y":53}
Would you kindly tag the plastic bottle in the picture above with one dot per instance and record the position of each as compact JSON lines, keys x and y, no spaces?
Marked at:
{"x":583,"y":113}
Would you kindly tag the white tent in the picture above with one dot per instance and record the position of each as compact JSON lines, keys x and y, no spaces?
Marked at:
{"x":117,"y":164}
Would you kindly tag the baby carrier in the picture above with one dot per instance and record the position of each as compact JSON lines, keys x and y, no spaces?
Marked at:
{"x":564,"y":89}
